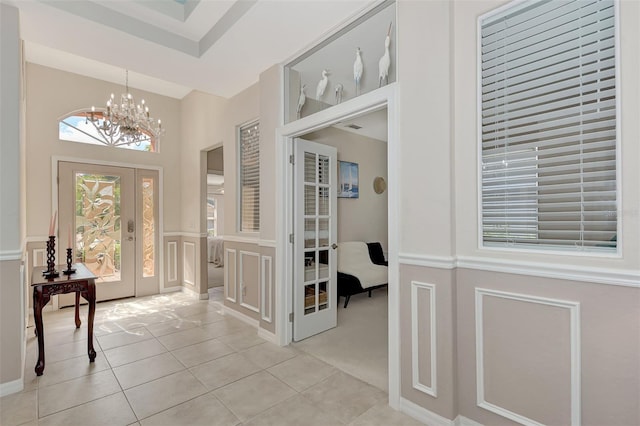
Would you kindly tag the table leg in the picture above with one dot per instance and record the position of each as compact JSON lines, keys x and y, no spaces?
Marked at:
{"x":91,"y":293}
{"x":78,"y":322}
{"x":38,"y":304}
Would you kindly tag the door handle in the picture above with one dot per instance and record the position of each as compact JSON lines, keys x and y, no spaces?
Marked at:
{"x":334,"y":246}
{"x":130,"y":225}
{"x":129,"y":238}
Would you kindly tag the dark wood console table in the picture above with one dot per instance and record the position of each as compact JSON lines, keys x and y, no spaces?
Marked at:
{"x":82,"y":282}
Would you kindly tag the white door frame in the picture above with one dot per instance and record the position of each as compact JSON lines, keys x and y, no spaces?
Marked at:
{"x":377,"y":99}
{"x":54,"y":201}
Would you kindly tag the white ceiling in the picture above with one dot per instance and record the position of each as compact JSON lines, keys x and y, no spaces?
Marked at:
{"x":172,"y":47}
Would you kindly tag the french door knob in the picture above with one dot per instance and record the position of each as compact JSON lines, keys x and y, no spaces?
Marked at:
{"x":334,"y":246}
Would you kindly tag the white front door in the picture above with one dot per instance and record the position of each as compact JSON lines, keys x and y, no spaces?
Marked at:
{"x":315,"y":238}
{"x":98,"y":221}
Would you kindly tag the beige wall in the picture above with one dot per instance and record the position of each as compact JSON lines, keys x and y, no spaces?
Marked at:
{"x":521,"y":314}
{"x":371,"y":156}
{"x":47,"y":103}
{"x":11,"y":291}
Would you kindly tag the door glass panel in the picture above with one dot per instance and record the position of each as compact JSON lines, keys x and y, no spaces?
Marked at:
{"x":148,"y":229}
{"x":323,"y":201}
{"x":309,"y":266}
{"x":309,"y":200}
{"x":323,"y":169}
{"x":322,"y":296}
{"x":309,"y":233}
{"x":323,"y":232}
{"x":97,"y":224}
{"x":309,"y":167}
{"x":309,"y":299}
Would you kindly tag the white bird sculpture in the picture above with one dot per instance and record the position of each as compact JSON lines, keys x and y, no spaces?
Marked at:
{"x":301,"y":99}
{"x":322,"y":84}
{"x":358,"y":68}
{"x":338,"y":91}
{"x":385,"y":61}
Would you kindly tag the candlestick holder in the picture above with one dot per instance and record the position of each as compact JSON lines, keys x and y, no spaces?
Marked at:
{"x":51,"y":272}
{"x":69,"y":269}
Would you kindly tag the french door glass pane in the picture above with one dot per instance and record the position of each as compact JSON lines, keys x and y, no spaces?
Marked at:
{"x":97,"y":224}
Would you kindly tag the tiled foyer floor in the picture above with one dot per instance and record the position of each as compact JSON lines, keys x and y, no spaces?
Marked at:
{"x":173,"y":360}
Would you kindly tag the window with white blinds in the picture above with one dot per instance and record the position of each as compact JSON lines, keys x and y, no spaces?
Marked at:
{"x":548,"y":125}
{"x":249,"y":138}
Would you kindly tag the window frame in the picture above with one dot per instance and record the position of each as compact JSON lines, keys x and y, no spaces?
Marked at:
{"x":548,"y":249}
{"x":239,"y":203}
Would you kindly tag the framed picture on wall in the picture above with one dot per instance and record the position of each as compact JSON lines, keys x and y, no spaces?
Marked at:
{"x":348,"y":180}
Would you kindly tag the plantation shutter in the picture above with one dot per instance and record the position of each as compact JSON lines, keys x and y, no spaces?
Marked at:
{"x":250,"y":178}
{"x":548,"y":119}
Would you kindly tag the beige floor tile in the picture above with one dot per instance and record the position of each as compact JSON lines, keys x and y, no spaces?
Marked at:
{"x":122,"y":338}
{"x":344,"y":396}
{"x":166,"y":392}
{"x":134,"y":352}
{"x":196,"y":354}
{"x":65,"y":351}
{"x":146,"y":370}
{"x":72,"y":368}
{"x":383,"y":415}
{"x":254,"y":394}
{"x":184,"y":338}
{"x":173,"y":326}
{"x":203,"y":410}
{"x":227,"y":326}
{"x":61,"y":396}
{"x":112,"y":410}
{"x":222,"y":371}
{"x":267,"y":354}
{"x":206,"y":317}
{"x":19,"y":408}
{"x":242,"y":340}
{"x":294,"y":411}
{"x":302,"y":371}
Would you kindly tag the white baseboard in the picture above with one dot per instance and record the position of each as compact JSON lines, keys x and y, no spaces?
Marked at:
{"x":239,"y":315}
{"x":172,"y":289}
{"x":423,"y":415}
{"x":195,"y":294}
{"x":268,"y":336}
{"x":465,"y":421}
{"x":11,"y":387}
{"x":265,"y":334}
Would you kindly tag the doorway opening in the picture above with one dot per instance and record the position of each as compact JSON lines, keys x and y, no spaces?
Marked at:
{"x":215,"y":219}
{"x":358,"y":344}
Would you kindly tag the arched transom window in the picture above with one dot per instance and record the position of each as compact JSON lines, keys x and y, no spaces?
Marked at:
{"x":87,"y":126}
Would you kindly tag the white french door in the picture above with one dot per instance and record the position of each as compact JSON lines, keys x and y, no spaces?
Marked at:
{"x":107,"y":215}
{"x":315,"y":235}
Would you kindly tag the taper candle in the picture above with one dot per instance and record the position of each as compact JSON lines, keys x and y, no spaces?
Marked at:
{"x":52,"y":224}
{"x":69,"y":244}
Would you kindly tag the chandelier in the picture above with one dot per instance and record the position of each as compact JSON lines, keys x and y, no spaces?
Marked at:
{"x":125,"y":123}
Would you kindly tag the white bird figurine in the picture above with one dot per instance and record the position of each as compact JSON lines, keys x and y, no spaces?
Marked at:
{"x":301,"y":99}
{"x":338,"y":91}
{"x":322,"y":84}
{"x":357,"y":70}
{"x":385,"y":61}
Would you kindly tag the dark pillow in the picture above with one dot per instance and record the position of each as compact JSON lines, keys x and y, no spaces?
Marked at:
{"x":376,"y":254}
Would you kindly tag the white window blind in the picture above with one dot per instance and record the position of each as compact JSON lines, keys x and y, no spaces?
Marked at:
{"x":548,"y":125}
{"x":249,"y":137}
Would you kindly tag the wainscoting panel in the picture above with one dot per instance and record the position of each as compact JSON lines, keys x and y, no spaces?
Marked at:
{"x":189,"y":263}
{"x":249,"y":270}
{"x":423,"y":341}
{"x":39,"y":257}
{"x":172,"y":261}
{"x":230,"y":274}
{"x":528,"y":357}
{"x":266,"y":287}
